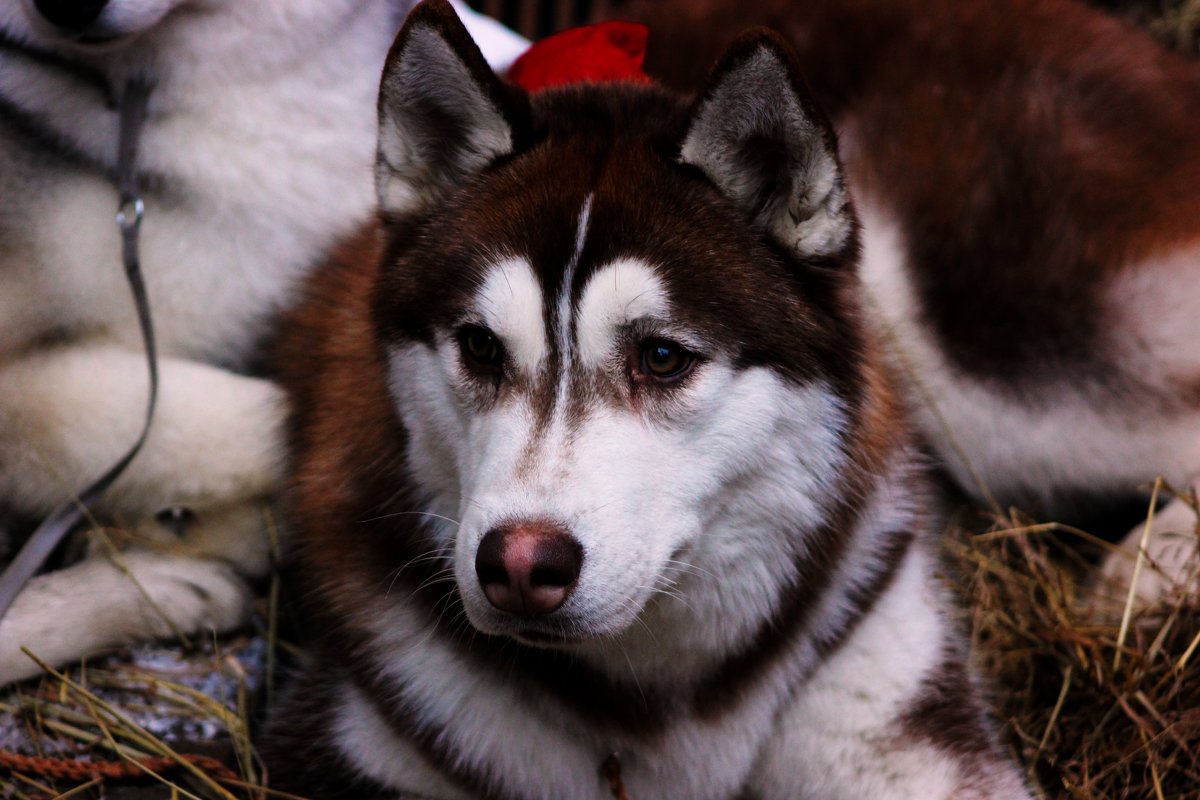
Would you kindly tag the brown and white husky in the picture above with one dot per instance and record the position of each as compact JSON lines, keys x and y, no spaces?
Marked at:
{"x":597,"y":462}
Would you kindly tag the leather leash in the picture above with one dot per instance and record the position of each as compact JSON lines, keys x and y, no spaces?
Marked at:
{"x":132,"y":113}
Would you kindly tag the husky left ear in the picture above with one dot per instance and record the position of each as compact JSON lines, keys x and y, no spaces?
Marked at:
{"x":758,"y":135}
{"x":443,"y":112}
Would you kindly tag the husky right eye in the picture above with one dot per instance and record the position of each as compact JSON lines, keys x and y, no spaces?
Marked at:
{"x":480,"y":346}
{"x":665,"y":361}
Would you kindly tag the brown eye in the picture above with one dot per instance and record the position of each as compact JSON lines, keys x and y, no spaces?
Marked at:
{"x":480,"y":346}
{"x":665,"y":360}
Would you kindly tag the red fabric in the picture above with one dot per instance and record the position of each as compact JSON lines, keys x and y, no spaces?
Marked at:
{"x":610,"y":51}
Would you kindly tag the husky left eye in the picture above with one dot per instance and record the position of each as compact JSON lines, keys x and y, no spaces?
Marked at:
{"x":480,"y":346}
{"x":665,"y":360}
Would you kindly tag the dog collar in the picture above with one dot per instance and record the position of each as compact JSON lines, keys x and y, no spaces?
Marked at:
{"x":609,"y":51}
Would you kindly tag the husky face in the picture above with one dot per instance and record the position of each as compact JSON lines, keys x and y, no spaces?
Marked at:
{"x":595,"y":403}
{"x":591,"y":375}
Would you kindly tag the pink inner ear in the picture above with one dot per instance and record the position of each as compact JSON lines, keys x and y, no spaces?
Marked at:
{"x":609,"y":51}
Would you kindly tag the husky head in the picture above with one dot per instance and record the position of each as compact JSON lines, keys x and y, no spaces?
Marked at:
{"x":620,"y":334}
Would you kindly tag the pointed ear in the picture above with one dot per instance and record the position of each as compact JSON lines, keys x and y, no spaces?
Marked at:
{"x":443,"y":113}
{"x":758,"y":135}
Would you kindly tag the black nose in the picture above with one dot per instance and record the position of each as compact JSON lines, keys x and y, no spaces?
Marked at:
{"x":528,"y":568}
{"x":71,"y":14}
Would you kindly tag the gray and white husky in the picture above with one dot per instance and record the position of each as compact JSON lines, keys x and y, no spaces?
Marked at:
{"x":598,"y":464}
{"x":255,"y":157}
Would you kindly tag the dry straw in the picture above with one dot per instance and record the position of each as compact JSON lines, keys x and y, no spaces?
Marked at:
{"x":1100,"y":698}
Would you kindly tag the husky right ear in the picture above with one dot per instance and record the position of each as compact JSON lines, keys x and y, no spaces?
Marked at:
{"x":443,"y":113}
{"x":758,"y":135}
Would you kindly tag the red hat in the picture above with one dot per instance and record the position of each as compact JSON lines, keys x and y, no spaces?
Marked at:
{"x":609,"y":51}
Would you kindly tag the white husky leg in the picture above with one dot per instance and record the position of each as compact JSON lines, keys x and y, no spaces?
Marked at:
{"x":67,"y":414}
{"x":1170,"y":560}
{"x":66,"y":615}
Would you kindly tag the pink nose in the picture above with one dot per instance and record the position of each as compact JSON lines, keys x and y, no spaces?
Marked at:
{"x":528,"y":568}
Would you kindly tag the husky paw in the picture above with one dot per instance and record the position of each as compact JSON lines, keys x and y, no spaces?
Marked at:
{"x":185,"y":596}
{"x":1169,"y":563}
{"x":99,"y":604}
{"x":238,"y":533}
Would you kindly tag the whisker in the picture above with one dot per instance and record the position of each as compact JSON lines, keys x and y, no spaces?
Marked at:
{"x":688,"y":567}
{"x":437,"y":577}
{"x":411,"y":513}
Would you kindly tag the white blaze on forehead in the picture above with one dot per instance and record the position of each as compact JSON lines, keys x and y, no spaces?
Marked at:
{"x":564,"y":304}
{"x":564,"y":292}
{"x":510,"y":304}
{"x":615,"y":295}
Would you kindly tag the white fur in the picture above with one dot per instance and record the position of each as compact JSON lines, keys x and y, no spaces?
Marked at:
{"x":565,"y":321}
{"x":172,"y":593}
{"x":558,"y":753}
{"x":510,"y":304}
{"x":842,"y":705}
{"x":1154,"y":302}
{"x":374,"y":750}
{"x":622,"y":292}
{"x":831,"y":737}
{"x":71,"y":411}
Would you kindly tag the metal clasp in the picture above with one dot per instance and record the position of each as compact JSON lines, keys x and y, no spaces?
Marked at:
{"x":129,"y":215}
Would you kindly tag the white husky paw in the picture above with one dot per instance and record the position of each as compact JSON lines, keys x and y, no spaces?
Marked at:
{"x":185,"y":595}
{"x":1168,"y":564}
{"x":99,"y":604}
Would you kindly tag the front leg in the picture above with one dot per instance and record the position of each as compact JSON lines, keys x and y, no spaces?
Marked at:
{"x":67,"y":413}
{"x":94,"y":605}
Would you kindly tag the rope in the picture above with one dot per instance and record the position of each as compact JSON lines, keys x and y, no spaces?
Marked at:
{"x":67,"y":769}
